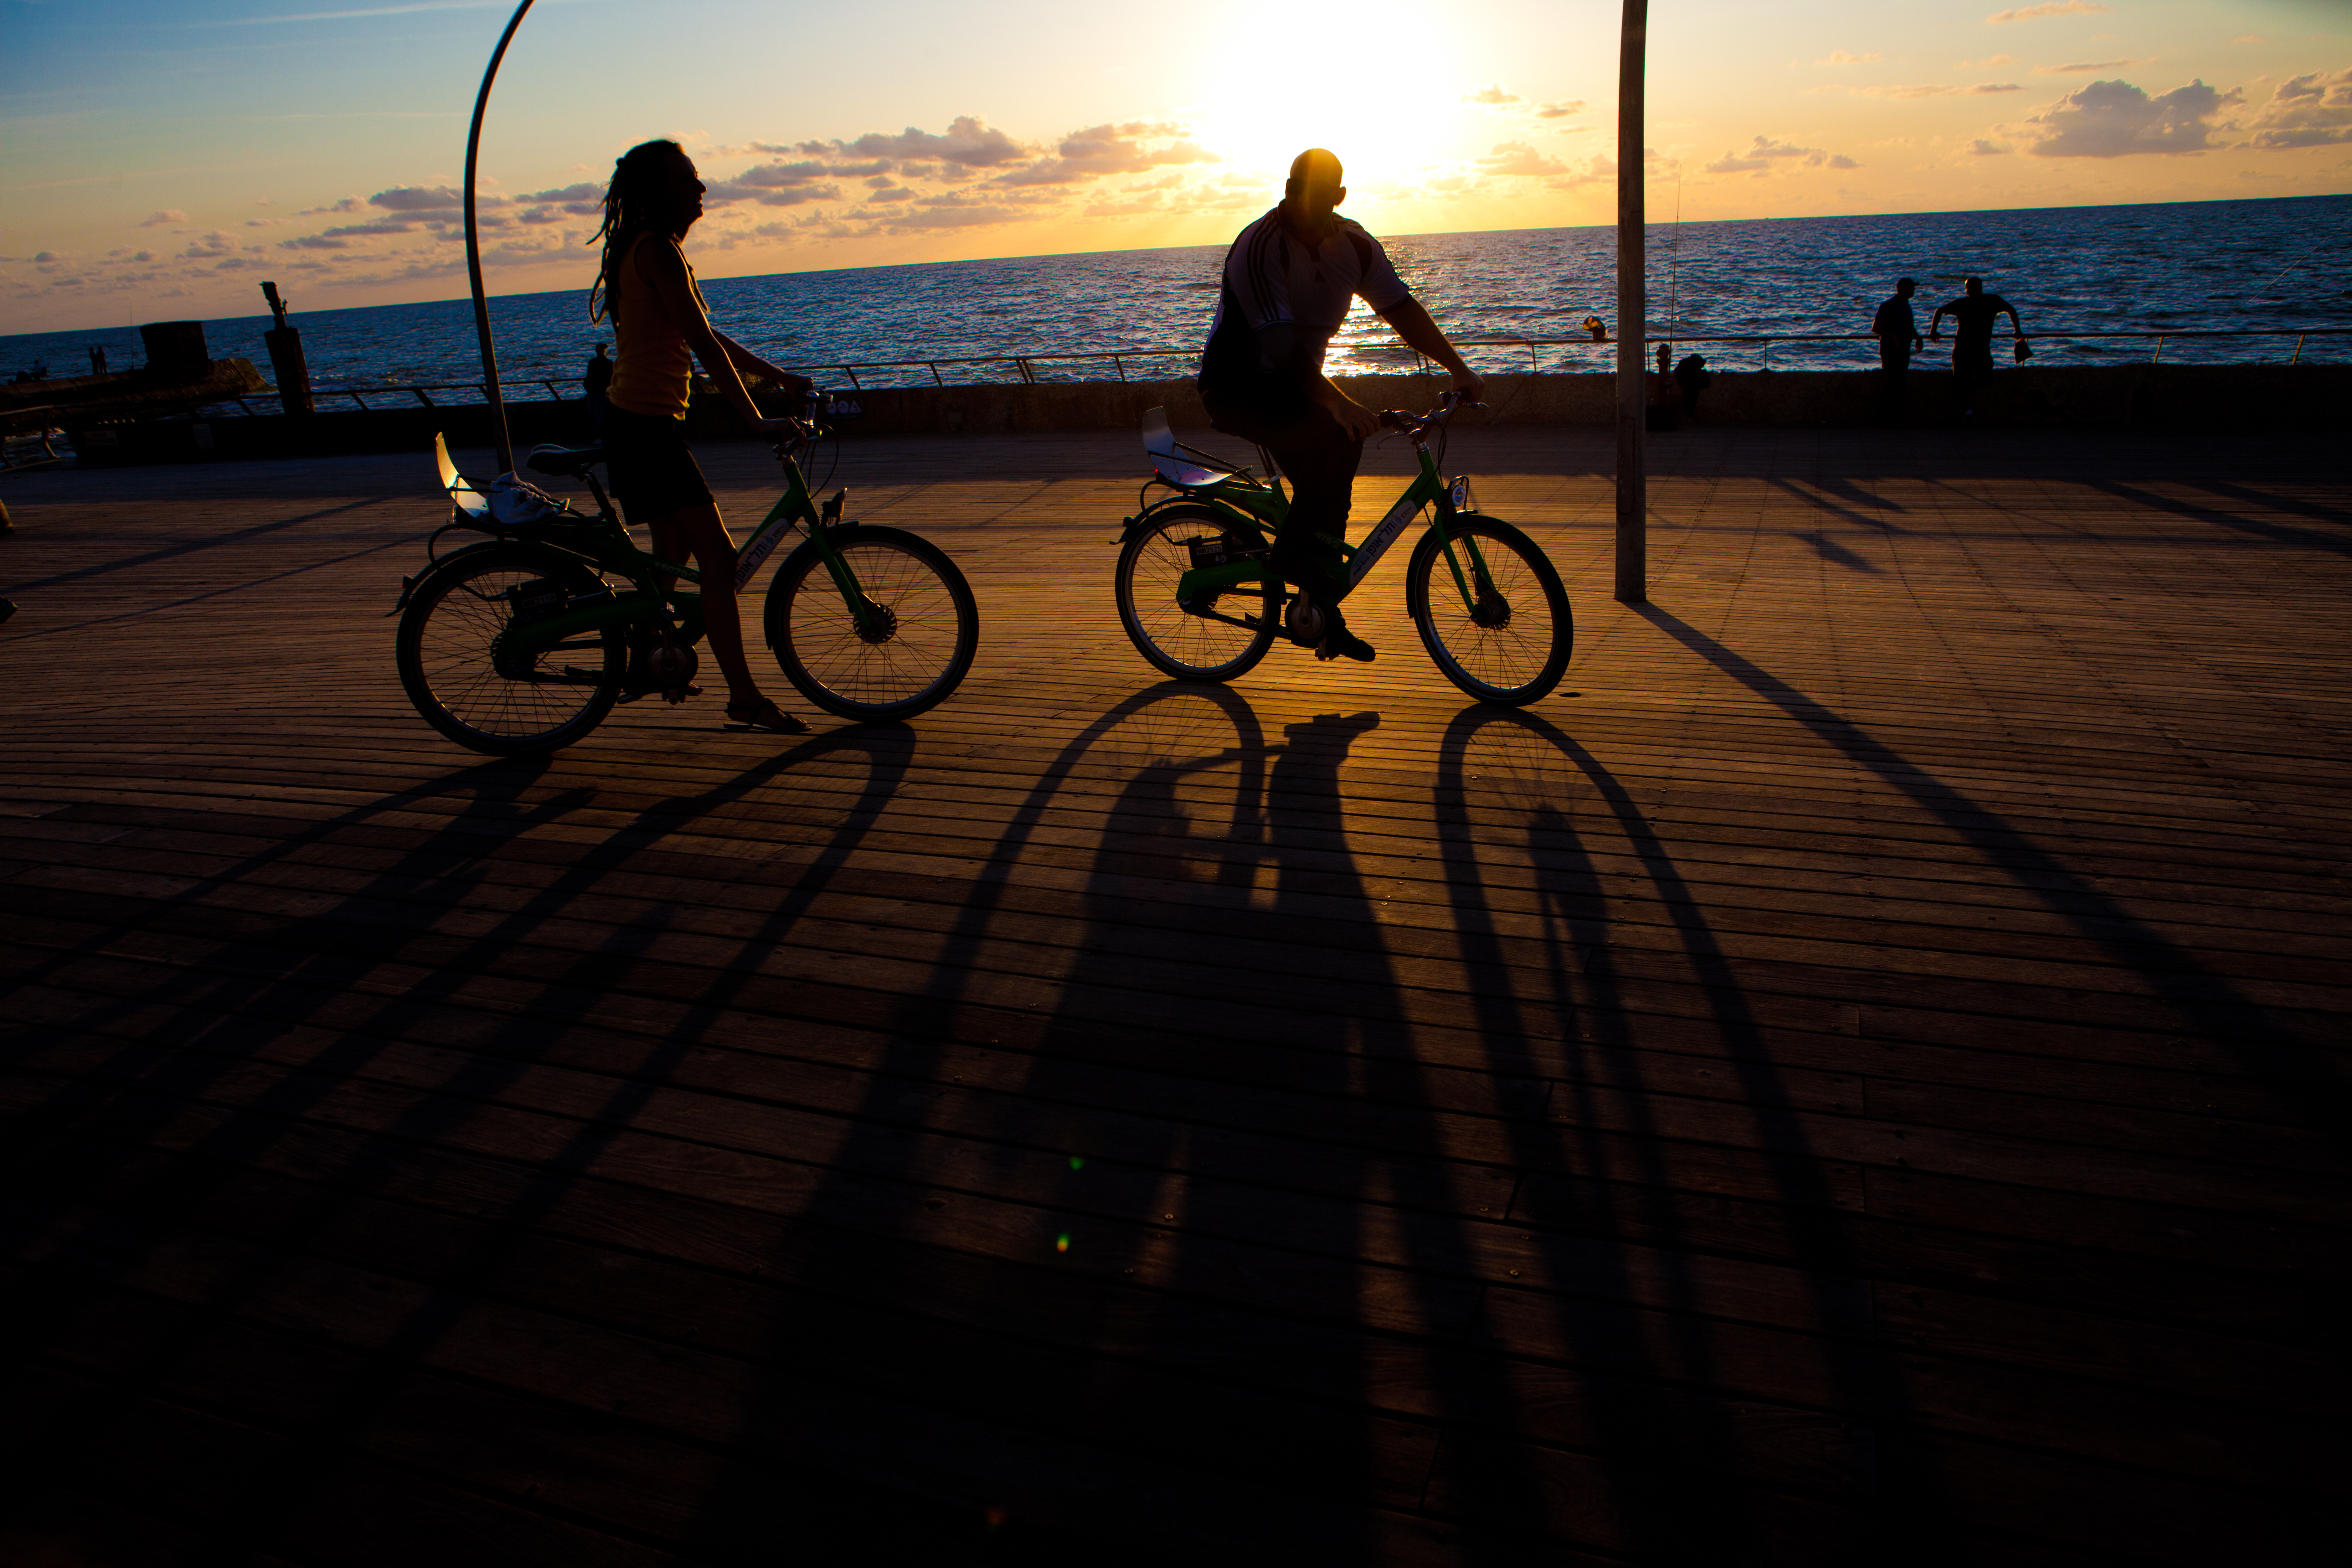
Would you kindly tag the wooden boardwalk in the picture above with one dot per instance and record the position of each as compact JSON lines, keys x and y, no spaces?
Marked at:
{"x":1856,"y":1076}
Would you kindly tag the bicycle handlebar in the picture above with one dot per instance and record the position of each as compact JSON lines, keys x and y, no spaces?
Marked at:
{"x":1416,"y":425}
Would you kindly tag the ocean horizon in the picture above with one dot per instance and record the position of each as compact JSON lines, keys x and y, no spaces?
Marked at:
{"x":2274,"y":265}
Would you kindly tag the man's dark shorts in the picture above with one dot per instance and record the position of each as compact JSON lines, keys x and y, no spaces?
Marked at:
{"x":652,"y":471}
{"x":1309,"y":442}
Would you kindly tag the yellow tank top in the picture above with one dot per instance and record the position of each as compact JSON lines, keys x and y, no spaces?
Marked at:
{"x":650,"y":374}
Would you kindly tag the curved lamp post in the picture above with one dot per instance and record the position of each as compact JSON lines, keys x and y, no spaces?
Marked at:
{"x":474,"y":252}
{"x":1633,"y":315}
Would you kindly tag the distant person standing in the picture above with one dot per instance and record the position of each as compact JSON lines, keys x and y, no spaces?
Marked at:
{"x":1691,"y":378}
{"x":1897,"y":331}
{"x":97,"y":359}
{"x":597,"y":378}
{"x":1973,"y":314}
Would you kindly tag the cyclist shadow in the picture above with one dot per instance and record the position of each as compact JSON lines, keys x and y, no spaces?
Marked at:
{"x":1254,"y":1185}
{"x":237,"y":1053}
{"x":1692,"y":1472}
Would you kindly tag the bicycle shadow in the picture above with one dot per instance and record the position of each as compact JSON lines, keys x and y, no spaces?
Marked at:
{"x":264,"y":983}
{"x":1627,"y":1211}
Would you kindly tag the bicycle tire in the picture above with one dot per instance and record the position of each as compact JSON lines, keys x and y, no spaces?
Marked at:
{"x":1174,"y":641}
{"x":443,"y":652}
{"x":933,"y":626}
{"x":1512,"y":660}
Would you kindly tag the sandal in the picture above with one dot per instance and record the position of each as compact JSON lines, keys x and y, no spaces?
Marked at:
{"x":765,"y":715}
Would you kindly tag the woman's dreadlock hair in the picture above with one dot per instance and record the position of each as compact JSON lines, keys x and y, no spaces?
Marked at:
{"x":633,"y":204}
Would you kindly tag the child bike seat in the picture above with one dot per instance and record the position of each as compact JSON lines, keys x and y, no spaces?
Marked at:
{"x":461,"y":489}
{"x":1168,"y":458}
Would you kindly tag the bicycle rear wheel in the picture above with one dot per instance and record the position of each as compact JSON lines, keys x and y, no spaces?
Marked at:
{"x":1180,"y":642}
{"x":444,"y":653}
{"x":926,"y":630}
{"x":1509,"y":641}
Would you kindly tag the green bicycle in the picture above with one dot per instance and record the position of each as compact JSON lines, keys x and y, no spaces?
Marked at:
{"x":525,"y":642}
{"x":1199,"y":602}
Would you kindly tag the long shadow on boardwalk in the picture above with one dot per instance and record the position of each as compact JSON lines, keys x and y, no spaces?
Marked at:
{"x":1238,"y":1142}
{"x":309,"y":1108}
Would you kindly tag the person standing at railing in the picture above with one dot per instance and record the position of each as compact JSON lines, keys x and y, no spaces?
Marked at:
{"x":1897,"y":331}
{"x":1288,"y":281}
{"x":663,"y":326}
{"x":597,"y":381}
{"x":1973,"y":314}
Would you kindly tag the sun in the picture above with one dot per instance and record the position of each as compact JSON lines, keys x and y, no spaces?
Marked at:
{"x":1374,"y":82}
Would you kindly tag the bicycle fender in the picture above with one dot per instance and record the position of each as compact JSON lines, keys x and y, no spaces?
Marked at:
{"x":408,"y":585}
{"x":1131,"y":526}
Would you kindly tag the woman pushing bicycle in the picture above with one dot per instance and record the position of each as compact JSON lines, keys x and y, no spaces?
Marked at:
{"x":662,"y":325}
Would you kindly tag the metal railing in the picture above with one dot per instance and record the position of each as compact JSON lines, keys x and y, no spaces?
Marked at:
{"x":420,"y":392}
{"x":1024,"y":367}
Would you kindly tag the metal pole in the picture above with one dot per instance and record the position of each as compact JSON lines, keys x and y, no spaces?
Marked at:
{"x":474,"y":252}
{"x":1633,"y":315}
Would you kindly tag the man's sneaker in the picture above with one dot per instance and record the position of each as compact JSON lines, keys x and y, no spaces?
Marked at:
{"x":1341,"y":643}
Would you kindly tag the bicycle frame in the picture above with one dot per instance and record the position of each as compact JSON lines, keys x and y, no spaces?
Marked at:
{"x":1248,"y":503}
{"x":603,"y":544}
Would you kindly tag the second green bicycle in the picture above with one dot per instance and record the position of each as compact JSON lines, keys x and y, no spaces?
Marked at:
{"x":1199,"y":602}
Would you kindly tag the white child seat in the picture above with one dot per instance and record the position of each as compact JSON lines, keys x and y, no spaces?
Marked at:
{"x":461,"y":489}
{"x":1168,"y":458}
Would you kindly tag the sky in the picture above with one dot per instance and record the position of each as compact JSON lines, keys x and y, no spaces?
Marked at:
{"x":165,"y":156}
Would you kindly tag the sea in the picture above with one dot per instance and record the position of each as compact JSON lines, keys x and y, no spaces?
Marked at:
{"x":2276,"y":266}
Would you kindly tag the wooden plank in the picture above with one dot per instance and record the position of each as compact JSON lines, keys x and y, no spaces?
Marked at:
{"x":1869,"y":1060}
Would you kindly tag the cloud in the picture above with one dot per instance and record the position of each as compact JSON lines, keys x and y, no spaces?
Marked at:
{"x":956,"y":218}
{"x":1839,"y":58}
{"x":2053,"y":8}
{"x":2115,"y":120}
{"x":167,"y":215}
{"x":2085,"y":67}
{"x":1766,"y":154}
{"x":1519,"y":160}
{"x":2313,"y":111}
{"x":1101,"y":149}
{"x":426,"y":198}
{"x":970,"y":143}
{"x":1492,"y":97}
{"x":1980,"y":148}
{"x":1924,"y":90}
{"x":1560,"y":110}
{"x":781,"y":184}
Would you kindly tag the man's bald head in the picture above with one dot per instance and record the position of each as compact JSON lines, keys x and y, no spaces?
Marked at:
{"x":1313,"y":191}
{"x":1317,"y":170}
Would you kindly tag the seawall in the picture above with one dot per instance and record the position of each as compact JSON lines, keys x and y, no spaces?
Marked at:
{"x":2103,"y":397}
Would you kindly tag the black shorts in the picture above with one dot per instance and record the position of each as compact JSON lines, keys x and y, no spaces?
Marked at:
{"x":652,"y":472}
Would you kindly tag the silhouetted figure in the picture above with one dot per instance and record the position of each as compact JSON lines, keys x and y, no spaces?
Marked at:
{"x":1288,"y":281}
{"x":1897,"y":331}
{"x":596,"y":378}
{"x":1663,"y":409}
{"x":1691,"y":379}
{"x":97,"y":359}
{"x":1973,"y":314}
{"x":663,"y":327}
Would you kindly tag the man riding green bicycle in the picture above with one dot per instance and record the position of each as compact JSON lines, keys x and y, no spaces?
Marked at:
{"x":1289,"y":280}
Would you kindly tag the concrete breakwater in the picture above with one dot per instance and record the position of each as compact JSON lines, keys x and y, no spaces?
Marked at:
{"x":2156,"y":396}
{"x":2102,"y":397}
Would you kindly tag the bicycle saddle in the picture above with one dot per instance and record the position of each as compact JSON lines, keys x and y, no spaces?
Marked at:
{"x":565,"y":462}
{"x":1168,"y":458}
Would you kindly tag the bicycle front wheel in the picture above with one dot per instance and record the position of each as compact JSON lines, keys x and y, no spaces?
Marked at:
{"x":1500,"y":629}
{"x":444,"y":652}
{"x":1190,"y":644}
{"x":921,"y":632}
